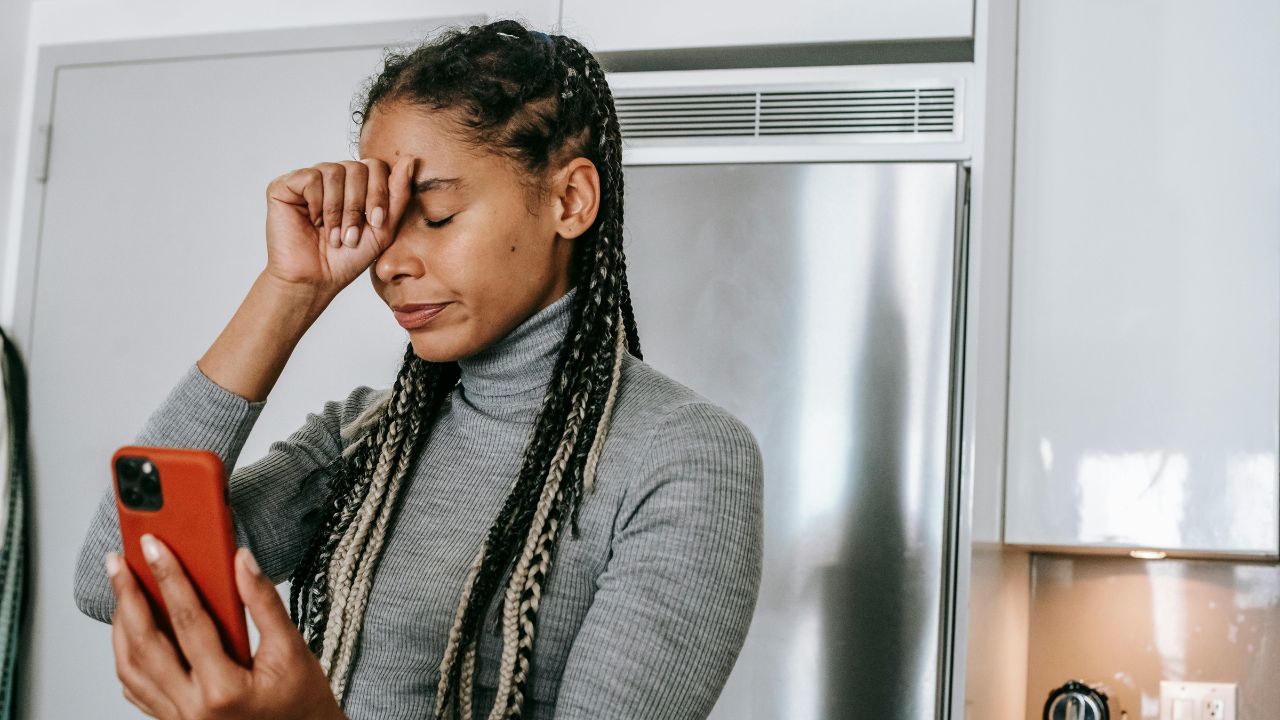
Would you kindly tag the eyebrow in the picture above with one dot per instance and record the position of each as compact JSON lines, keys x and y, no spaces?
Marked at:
{"x":437,"y":183}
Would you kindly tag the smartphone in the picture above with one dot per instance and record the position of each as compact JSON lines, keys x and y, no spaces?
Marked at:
{"x":180,"y":496}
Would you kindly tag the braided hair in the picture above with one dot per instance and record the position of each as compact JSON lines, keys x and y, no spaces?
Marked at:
{"x":537,"y":100}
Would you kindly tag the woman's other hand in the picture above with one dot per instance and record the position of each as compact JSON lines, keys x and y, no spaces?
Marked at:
{"x":285,"y":682}
{"x":329,"y":222}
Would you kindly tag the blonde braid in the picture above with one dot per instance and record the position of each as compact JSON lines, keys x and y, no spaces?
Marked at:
{"x":468,"y":673}
{"x":543,"y":553}
{"x":534,"y":587}
{"x":364,"y":420}
{"x":336,"y":588}
{"x":342,"y":566}
{"x":372,"y":552}
{"x":455,"y":632}
{"x":510,"y":634}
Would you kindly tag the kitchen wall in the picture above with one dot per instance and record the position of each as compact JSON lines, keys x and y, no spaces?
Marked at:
{"x":1129,"y":624}
{"x":14,"y":16}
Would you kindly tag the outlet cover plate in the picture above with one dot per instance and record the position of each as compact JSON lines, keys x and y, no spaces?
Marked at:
{"x":1197,"y":701}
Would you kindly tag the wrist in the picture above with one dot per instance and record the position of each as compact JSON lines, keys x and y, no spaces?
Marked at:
{"x":298,"y":299}
{"x":250,"y":353}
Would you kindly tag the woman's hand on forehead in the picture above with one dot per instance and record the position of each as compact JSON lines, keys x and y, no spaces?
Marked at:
{"x":327,"y":223}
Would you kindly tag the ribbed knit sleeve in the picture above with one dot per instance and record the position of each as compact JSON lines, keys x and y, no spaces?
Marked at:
{"x":270,"y":498}
{"x":673,"y":605}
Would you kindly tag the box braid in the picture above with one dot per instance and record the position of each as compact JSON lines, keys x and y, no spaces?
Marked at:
{"x":536,"y":100}
{"x":366,"y":480}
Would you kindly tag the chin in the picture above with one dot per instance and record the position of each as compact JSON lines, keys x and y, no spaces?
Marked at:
{"x":432,"y":353}
{"x":435,"y":347}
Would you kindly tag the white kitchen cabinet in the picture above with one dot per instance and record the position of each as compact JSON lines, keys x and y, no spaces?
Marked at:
{"x":662,"y":24}
{"x":1144,"y":397}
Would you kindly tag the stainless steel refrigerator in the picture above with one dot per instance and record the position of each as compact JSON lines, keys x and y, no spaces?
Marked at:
{"x":819,"y":303}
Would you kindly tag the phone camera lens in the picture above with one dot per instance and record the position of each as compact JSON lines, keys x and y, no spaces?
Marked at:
{"x":128,"y":468}
{"x":139,"y":483}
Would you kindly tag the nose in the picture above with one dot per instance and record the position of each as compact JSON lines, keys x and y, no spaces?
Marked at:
{"x":398,"y":261}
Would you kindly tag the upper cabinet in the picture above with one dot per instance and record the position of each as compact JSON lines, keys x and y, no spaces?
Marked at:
{"x":662,"y":24}
{"x":1144,"y":397}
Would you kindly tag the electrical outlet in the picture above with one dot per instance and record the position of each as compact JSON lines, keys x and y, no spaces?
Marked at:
{"x":1197,"y":701}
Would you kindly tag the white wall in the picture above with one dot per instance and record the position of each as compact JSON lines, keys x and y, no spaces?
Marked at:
{"x":14,"y":18}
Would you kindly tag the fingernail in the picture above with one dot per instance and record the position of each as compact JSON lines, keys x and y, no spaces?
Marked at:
{"x":113,"y":564}
{"x":251,"y":563}
{"x":353,"y":234}
{"x":376,"y":217}
{"x":334,"y":236}
{"x":150,"y":548}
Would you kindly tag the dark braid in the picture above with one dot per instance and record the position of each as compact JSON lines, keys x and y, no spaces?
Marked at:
{"x":609,"y":146}
{"x":537,"y":101}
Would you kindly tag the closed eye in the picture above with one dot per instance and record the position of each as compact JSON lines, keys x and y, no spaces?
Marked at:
{"x":437,"y":223}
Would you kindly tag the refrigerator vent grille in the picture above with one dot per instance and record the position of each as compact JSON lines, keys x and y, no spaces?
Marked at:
{"x":818,"y":112}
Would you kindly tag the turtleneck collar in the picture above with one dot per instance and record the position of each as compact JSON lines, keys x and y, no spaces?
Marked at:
{"x":514,"y":371}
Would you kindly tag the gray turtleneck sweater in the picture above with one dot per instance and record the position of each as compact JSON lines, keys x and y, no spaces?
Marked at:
{"x":642,"y":616}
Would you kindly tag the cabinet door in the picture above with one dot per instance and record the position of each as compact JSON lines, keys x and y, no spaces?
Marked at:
{"x":1144,"y":399}
{"x":606,"y":26}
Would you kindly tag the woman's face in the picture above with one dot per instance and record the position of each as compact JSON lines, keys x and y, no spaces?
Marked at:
{"x":472,"y":242}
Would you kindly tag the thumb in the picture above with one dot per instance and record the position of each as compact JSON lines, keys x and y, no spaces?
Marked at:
{"x":259,"y":596}
{"x":400,"y":191}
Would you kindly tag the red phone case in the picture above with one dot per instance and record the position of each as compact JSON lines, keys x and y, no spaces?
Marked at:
{"x":194,"y":521}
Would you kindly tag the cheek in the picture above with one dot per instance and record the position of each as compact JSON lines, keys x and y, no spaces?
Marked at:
{"x":474,"y":262}
{"x":492,"y":259}
{"x":498,"y":249}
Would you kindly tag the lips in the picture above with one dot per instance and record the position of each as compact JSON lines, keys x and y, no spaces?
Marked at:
{"x":417,"y":314}
{"x":415,"y":307}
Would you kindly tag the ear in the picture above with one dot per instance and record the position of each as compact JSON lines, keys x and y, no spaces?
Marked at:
{"x":577,"y":196}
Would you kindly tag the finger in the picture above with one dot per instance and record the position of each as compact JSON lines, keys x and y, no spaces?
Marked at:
{"x":376,"y":194}
{"x":192,"y":626}
{"x":399,"y":184}
{"x":141,"y":705}
{"x":333,"y":176}
{"x":139,"y":702}
{"x":148,"y":699}
{"x":300,"y":187}
{"x":146,"y":661}
{"x":369,"y":238}
{"x":353,"y":201}
{"x":259,"y":596}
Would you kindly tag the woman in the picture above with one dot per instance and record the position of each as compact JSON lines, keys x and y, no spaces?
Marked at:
{"x":423,"y":528}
